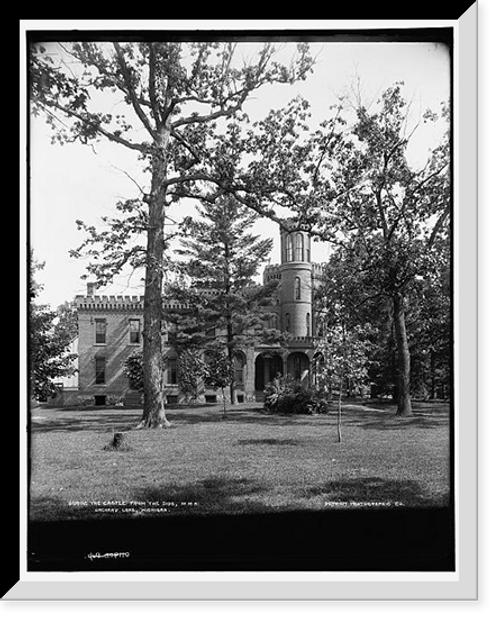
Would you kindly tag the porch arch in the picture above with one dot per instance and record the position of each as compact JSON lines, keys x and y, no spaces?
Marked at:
{"x":297,"y":365}
{"x":267,"y":367}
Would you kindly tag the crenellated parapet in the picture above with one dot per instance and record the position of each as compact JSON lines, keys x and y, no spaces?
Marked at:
{"x":272,"y":272}
{"x":301,"y":339}
{"x":119,"y":303}
{"x":318,"y":271}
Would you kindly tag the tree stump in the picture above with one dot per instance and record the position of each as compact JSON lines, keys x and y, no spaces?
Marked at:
{"x":118,"y":442}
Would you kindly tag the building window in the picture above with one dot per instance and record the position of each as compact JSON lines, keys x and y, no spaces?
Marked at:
{"x":100,"y":371}
{"x":308,"y":324}
{"x":287,"y":322}
{"x":100,"y":331}
{"x":299,"y":247}
{"x":297,"y":288}
{"x":289,"y":248}
{"x":172,"y":370}
{"x":239,"y":365}
{"x":135,"y":331}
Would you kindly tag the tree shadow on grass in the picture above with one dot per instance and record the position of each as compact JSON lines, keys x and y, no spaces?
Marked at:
{"x":373,"y":492}
{"x":215,"y":495}
{"x":121,"y":420}
{"x":271,"y":441}
{"x":248,"y":417}
{"x":84,"y":421}
{"x":391,"y":422}
{"x":381,"y":415}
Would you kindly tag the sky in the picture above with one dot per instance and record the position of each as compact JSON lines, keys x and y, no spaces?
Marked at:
{"x":75,"y":182}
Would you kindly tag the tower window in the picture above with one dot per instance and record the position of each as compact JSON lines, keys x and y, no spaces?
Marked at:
{"x":289,"y":248}
{"x":287,"y":322}
{"x":299,"y":247}
{"x":297,"y":288}
{"x":308,"y":324}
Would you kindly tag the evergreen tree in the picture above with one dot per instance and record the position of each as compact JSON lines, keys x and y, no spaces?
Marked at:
{"x":221,"y":258}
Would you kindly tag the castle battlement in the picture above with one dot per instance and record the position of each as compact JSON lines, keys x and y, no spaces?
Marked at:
{"x":318,"y":270}
{"x":118,"y":303}
{"x":300,"y":339}
{"x":271,"y":272}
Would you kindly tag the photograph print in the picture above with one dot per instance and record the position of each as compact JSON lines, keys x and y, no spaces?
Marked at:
{"x":240,"y":349}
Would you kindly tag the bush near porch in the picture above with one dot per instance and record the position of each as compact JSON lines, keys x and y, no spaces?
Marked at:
{"x":291,"y":397}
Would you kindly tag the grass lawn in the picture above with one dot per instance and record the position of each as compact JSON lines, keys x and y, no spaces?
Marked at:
{"x":249,"y":462}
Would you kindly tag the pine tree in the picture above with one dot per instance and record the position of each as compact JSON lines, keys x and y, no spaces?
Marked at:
{"x":221,"y":258}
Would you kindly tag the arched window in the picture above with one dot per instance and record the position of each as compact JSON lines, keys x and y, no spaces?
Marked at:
{"x":297,"y":288}
{"x":308,"y":324}
{"x":289,"y":248}
{"x":299,"y":247}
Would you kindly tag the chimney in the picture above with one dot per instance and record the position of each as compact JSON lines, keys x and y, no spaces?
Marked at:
{"x":91,"y":287}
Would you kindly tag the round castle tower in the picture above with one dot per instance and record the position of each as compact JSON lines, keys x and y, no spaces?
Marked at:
{"x":296,"y":281}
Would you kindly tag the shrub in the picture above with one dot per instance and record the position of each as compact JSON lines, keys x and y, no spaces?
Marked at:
{"x":133,"y":370}
{"x":291,"y":397}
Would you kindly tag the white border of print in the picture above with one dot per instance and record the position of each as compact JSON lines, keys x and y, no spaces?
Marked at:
{"x":459,"y":585}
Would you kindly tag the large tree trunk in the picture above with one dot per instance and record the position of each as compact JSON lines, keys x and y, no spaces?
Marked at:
{"x":154,"y":411}
{"x":403,"y":358}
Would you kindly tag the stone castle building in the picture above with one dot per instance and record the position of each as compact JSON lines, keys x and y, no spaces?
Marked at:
{"x":110,"y":329}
